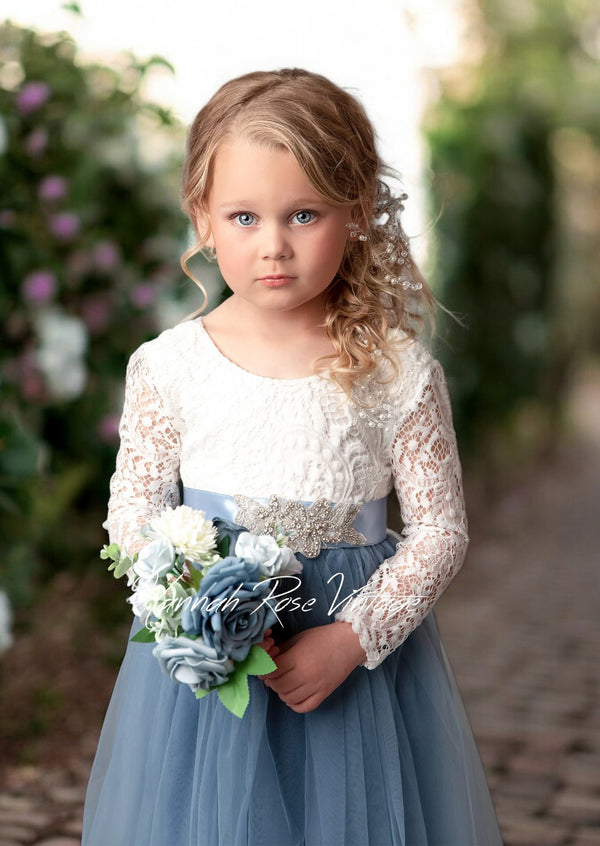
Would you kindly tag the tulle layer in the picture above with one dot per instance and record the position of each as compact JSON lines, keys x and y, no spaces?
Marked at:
{"x":387,"y":760}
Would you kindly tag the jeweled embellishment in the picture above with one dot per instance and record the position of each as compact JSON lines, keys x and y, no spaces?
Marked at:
{"x":308,"y":527}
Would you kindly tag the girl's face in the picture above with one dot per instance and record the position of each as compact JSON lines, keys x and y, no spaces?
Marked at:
{"x":279,"y":244}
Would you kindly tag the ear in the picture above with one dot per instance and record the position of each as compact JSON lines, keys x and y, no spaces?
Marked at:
{"x":201,"y":223}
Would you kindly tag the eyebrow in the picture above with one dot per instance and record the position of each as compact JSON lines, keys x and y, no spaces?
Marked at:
{"x":301,"y":202}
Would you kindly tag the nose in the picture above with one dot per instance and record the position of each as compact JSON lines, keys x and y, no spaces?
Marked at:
{"x":275,"y":244}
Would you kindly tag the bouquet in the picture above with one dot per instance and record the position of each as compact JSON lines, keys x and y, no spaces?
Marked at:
{"x":206,"y":610}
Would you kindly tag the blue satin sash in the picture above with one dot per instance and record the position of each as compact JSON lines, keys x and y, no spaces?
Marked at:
{"x":370,"y":520}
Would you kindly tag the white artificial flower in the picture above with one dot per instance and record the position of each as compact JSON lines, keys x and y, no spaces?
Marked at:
{"x":188,"y":530}
{"x":146,"y":594}
{"x":6,"y":638}
{"x":272,"y":559}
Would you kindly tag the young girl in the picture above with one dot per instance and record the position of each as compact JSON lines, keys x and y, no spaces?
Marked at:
{"x":307,"y":383}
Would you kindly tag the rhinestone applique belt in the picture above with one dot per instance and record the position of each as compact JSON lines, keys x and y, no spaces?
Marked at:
{"x":310,"y":526}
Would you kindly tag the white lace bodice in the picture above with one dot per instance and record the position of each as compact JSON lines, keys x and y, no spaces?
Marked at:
{"x":190,"y":413}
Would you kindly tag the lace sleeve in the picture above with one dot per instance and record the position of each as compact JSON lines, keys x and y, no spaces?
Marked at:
{"x":427,"y":479}
{"x":147,"y":472}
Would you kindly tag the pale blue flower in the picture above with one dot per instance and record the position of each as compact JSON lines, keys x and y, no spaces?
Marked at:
{"x":155,"y":560}
{"x":192,"y":662}
{"x":264,"y":550}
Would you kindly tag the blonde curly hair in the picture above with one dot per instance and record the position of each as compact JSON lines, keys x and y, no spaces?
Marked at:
{"x":378,"y":286}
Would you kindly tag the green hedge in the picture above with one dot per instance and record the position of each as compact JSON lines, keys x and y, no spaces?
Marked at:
{"x":90,"y":234}
{"x":501,"y":235}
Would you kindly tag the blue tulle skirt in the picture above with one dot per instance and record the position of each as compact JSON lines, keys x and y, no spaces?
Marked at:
{"x":387,"y":760}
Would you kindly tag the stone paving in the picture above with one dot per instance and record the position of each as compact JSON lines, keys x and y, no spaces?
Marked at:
{"x":521,"y":626}
{"x":522,"y":629}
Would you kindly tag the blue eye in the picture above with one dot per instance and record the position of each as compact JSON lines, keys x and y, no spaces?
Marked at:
{"x":304,"y":216}
{"x":244,"y":219}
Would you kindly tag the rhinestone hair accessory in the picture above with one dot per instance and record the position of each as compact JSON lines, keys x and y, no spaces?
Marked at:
{"x":356,"y":232}
{"x":397,"y":258}
{"x":308,"y":527}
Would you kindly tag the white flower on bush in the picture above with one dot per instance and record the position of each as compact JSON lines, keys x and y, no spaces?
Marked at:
{"x":155,"y":560}
{"x":63,"y":342}
{"x":5,"y":623}
{"x":188,"y":530}
{"x":272,"y":559}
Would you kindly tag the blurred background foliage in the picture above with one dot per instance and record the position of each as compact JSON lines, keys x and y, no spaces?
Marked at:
{"x":90,"y":235}
{"x":514,"y":143}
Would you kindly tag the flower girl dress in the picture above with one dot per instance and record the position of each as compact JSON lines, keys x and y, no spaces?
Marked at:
{"x":389,"y":758}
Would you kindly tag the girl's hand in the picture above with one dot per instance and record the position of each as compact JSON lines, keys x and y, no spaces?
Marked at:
{"x":312,"y":663}
{"x":268,"y":644}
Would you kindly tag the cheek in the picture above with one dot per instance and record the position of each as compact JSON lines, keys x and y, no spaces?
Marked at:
{"x":331,"y":248}
{"x":230,"y":252}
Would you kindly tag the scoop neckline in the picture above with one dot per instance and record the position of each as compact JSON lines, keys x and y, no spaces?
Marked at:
{"x":232,"y":365}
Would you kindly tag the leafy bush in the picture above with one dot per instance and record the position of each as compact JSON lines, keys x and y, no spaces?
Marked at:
{"x":501,"y":237}
{"x":89,"y":235}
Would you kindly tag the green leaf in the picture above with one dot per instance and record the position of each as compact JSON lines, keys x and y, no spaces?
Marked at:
{"x":235,"y":694}
{"x":196,"y":576}
{"x":200,"y":692}
{"x":122,"y":567}
{"x":160,"y":61}
{"x":112,"y":551}
{"x":72,"y":7}
{"x":223,"y":546}
{"x":144,"y":636}
{"x":258,"y":662}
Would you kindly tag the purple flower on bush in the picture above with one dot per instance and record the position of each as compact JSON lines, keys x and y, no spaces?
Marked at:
{"x":53,"y":188}
{"x":36,"y":142}
{"x":39,"y":286}
{"x":106,"y":255}
{"x":95,"y":312}
{"x":229,"y":610}
{"x":192,"y":662}
{"x":64,"y":225}
{"x":143,"y":295}
{"x":31,"y":96}
{"x":108,"y":428}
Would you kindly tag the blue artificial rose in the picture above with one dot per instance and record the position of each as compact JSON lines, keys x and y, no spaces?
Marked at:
{"x":192,"y":662}
{"x":229,"y":611}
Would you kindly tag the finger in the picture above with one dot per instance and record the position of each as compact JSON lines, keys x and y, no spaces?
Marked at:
{"x":284,"y":665}
{"x":287,"y":644}
{"x":307,"y":705}
{"x":289,"y":688}
{"x":274,"y":674}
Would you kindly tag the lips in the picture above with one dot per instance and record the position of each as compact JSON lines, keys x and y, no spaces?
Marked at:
{"x":275,"y":281}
